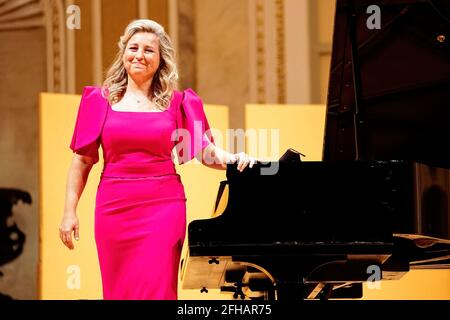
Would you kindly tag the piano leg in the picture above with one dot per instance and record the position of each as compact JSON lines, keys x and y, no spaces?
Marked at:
{"x":288,"y":291}
{"x":325,"y":294}
{"x":289,"y":285}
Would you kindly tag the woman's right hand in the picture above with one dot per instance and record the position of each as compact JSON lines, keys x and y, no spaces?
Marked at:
{"x":68,"y":225}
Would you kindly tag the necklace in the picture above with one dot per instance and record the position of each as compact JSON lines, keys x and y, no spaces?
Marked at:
{"x":139,"y":99}
{"x":143,"y":103}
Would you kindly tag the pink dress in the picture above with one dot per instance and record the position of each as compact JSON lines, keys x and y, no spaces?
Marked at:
{"x":140,"y":212}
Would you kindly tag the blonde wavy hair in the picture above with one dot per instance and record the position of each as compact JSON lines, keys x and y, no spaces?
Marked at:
{"x":165,"y":78}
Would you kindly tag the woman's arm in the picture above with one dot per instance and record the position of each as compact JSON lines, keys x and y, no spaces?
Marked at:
{"x":216,"y":158}
{"x":76,"y":181}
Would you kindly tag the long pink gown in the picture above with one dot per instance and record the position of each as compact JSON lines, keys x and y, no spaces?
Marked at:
{"x":140,"y":212}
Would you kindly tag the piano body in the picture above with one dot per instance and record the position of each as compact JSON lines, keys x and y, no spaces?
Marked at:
{"x":293,"y":230}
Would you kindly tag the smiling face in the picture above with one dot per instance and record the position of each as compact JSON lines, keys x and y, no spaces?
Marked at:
{"x":141,"y":57}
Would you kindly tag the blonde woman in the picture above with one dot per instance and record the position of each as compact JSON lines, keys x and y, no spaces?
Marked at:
{"x":138,"y":118}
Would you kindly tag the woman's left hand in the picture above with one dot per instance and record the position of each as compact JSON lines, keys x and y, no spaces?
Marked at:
{"x":244,"y":160}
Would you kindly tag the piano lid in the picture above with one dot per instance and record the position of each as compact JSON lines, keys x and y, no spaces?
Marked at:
{"x":390,"y":99}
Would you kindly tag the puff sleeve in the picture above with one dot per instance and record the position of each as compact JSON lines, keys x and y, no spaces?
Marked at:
{"x":193,"y":131}
{"x":89,"y":123}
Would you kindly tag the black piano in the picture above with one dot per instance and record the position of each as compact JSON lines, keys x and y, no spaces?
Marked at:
{"x":377,"y":206}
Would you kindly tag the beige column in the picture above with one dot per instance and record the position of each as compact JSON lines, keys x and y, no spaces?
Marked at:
{"x":187,"y":46}
{"x":143,"y":9}
{"x":223,"y":54}
{"x":298,"y":66}
{"x":97,"y":61}
{"x":71,"y":62}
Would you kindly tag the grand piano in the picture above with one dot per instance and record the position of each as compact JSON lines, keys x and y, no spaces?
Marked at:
{"x":377,"y":205}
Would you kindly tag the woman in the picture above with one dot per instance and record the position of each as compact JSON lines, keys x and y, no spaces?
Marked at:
{"x":138,"y":118}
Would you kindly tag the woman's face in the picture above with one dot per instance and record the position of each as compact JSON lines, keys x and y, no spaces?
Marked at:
{"x":141,"y":57}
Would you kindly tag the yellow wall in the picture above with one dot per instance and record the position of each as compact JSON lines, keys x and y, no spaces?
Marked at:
{"x":301,"y":127}
{"x":57,"y":114}
{"x":414,"y":285}
{"x":61,"y":270}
